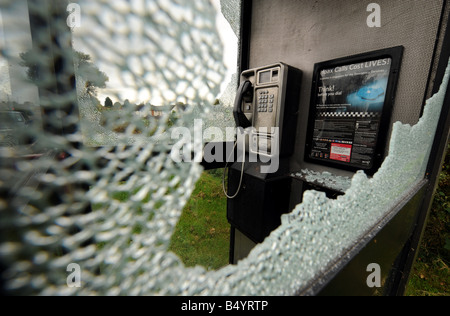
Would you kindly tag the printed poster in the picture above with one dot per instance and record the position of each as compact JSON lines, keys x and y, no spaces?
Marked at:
{"x":349,"y":104}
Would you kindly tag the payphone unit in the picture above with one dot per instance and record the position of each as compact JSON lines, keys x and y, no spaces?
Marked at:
{"x":266,"y":109}
{"x":266,"y":104}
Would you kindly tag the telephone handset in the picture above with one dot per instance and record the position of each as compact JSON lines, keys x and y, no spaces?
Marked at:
{"x":245,"y":92}
{"x":266,"y":107}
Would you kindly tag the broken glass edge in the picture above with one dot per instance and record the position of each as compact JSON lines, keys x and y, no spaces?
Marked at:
{"x":234,"y":279}
{"x":317,"y":284}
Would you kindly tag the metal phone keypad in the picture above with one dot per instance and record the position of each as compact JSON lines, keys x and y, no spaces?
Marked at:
{"x":265,"y":101}
{"x":266,"y":108}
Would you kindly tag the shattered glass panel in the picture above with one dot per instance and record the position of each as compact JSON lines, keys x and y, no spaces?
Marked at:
{"x":151,"y":63}
{"x":65,"y":228}
{"x":325,"y":179}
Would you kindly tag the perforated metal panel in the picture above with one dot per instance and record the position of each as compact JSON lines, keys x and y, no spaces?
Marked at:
{"x":302,"y":33}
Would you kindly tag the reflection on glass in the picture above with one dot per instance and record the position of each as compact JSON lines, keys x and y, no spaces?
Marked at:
{"x":19,"y":97}
{"x":156,"y":60}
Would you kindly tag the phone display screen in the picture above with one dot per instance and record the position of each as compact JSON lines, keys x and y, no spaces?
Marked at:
{"x":264,"y":77}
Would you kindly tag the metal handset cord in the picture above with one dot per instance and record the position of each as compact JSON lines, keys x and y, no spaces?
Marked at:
{"x":242,"y":172}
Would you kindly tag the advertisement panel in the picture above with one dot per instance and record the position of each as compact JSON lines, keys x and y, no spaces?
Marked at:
{"x":350,"y":108}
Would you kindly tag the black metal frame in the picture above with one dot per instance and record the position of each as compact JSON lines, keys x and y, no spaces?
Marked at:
{"x":246,"y":26}
{"x":441,"y":63}
{"x":386,"y":242}
{"x":435,"y":161}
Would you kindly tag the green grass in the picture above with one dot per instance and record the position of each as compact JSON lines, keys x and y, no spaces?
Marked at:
{"x":429,"y":278}
{"x":202,"y":234}
{"x":430,"y":275}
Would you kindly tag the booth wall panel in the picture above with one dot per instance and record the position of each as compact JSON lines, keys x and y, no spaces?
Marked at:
{"x":304,"y":32}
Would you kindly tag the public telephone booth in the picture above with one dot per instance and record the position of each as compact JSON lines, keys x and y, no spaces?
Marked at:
{"x":358,"y":79}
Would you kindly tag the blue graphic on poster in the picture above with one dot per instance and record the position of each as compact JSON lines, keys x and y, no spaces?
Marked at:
{"x":369,"y":98}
